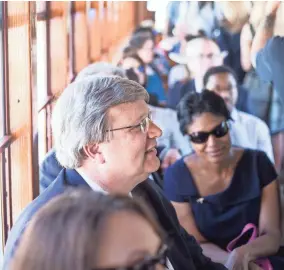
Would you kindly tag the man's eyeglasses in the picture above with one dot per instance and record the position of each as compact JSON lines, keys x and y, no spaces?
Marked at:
{"x":148,"y":263}
{"x":202,"y":137}
{"x":144,"y":125}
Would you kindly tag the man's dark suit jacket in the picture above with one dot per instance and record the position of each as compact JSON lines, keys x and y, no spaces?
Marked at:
{"x":184,"y":253}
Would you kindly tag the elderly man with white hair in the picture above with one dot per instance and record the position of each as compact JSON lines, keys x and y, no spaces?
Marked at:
{"x":168,"y":143}
{"x":106,"y":141}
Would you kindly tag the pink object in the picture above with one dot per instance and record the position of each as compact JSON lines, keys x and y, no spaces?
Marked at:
{"x":263,"y":263}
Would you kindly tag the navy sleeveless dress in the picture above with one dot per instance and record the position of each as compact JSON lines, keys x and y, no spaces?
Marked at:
{"x":221,"y":217}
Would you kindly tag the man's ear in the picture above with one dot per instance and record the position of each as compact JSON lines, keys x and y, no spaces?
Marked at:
{"x":92,"y":151}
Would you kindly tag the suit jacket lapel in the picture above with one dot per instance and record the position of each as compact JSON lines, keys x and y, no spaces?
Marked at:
{"x":73,"y":178}
{"x":158,"y":204}
{"x":150,"y":194}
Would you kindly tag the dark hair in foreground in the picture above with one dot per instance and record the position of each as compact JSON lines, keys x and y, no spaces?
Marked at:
{"x":195,"y":104}
{"x":65,"y":233}
{"x":217,"y":70}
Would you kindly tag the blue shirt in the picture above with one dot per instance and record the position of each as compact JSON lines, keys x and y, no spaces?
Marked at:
{"x":270,"y":64}
{"x":155,"y":84}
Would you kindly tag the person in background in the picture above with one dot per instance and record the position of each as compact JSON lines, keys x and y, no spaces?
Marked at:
{"x":260,"y":93}
{"x":143,"y":46}
{"x":145,"y":30}
{"x":247,"y":131}
{"x":82,"y":229}
{"x":267,"y":51}
{"x":173,"y":8}
{"x":220,"y":189}
{"x":196,"y":16}
{"x":180,"y":72}
{"x":201,"y":53}
{"x":105,"y":140}
{"x":227,"y":35}
{"x":267,"y":58}
{"x":131,"y":60}
{"x":248,"y":33}
{"x":160,"y":61}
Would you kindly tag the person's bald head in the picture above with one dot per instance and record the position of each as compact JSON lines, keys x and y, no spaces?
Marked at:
{"x":202,"y":53}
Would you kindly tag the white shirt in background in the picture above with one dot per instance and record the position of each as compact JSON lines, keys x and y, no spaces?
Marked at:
{"x":166,"y":120}
{"x":249,"y":131}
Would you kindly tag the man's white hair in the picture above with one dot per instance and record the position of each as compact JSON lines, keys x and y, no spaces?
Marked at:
{"x":101,"y":68}
{"x":80,"y":114}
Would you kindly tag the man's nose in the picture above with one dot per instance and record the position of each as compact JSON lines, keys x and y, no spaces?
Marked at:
{"x":154,"y":131}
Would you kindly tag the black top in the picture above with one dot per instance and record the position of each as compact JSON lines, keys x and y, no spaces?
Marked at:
{"x":221,"y":217}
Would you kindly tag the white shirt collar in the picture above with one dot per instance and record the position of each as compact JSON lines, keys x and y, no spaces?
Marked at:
{"x":198,"y":85}
{"x":93,"y":185}
{"x":235,"y":114}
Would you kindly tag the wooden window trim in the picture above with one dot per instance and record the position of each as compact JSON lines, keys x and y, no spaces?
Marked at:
{"x":5,"y":142}
{"x":47,"y":101}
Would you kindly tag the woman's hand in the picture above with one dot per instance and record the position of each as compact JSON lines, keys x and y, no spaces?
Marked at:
{"x":238,"y":260}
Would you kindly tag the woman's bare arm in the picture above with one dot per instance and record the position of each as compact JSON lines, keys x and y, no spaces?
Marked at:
{"x":265,"y":29}
{"x":269,"y":225}
{"x":246,"y":42}
{"x":187,"y":221}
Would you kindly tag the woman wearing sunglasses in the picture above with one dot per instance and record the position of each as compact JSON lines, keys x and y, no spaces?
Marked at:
{"x":86,"y":230}
{"x":219,"y":189}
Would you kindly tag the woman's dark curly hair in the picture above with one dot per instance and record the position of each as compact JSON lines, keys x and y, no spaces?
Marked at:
{"x":195,"y":104}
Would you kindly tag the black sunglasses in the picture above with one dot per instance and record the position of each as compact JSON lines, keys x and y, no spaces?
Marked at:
{"x":148,"y":263}
{"x":202,"y":137}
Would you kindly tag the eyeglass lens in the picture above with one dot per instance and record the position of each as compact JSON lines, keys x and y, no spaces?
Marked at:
{"x":145,"y":124}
